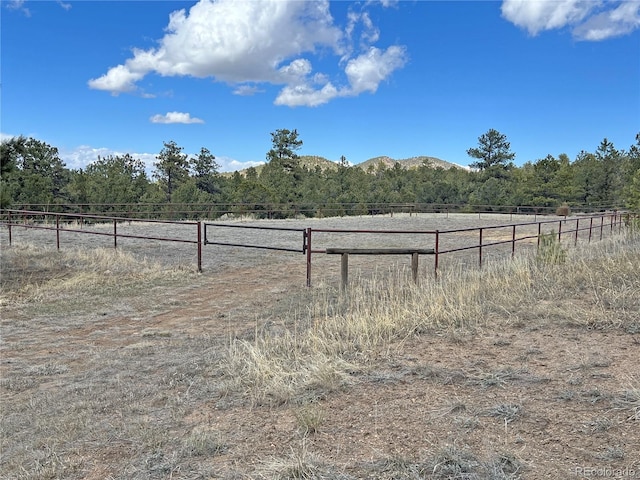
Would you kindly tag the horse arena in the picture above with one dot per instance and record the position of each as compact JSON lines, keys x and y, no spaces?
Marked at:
{"x":345,"y":232}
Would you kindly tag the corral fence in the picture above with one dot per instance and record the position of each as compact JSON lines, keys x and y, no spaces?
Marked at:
{"x":75,"y":223}
{"x":216,"y":211}
{"x":481,"y":241}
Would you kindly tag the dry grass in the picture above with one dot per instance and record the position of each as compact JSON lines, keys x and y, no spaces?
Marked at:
{"x":93,"y":387}
{"x":33,"y":274}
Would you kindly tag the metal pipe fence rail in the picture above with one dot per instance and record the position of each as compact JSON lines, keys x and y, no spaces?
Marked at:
{"x":59,"y":221}
{"x":603,"y":222}
{"x":427,"y":242}
{"x":207,"y":226}
{"x":213,"y":211}
{"x":590,"y":225}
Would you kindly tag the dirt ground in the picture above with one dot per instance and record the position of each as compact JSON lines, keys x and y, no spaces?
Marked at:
{"x":533,"y":399}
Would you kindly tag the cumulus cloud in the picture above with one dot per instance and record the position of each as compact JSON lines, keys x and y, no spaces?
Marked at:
{"x":364,"y":74}
{"x":247,"y":90}
{"x":230,"y":165}
{"x":83,"y":155}
{"x":175,"y":117}
{"x":588,"y":19}
{"x":249,"y":43}
{"x":367,"y":71}
{"x":612,"y":23}
{"x":306,"y":95}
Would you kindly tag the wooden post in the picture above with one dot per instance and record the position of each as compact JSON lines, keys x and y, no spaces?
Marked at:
{"x":414,"y":266}
{"x":344,"y":269}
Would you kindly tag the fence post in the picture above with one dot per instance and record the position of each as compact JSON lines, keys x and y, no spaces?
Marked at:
{"x":436,"y":251}
{"x":559,"y":231}
{"x":513,"y":242}
{"x":414,"y":266}
{"x":58,"y":232}
{"x":115,"y":233}
{"x":577,"y":230}
{"x":199,"y":247}
{"x":9,"y":226}
{"x":308,"y":251}
{"x":344,"y":269}
{"x":539,"y":233}
{"x":601,"y":226}
{"x":480,"y":248}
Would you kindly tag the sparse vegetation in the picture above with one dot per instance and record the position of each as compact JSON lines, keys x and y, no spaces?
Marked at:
{"x":114,"y":367}
{"x":550,"y":251}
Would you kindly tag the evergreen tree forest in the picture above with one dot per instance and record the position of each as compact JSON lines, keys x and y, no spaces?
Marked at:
{"x":34,"y":176}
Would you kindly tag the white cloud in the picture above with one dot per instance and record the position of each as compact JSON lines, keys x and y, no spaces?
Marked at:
{"x":613,"y":23}
{"x":240,"y":42}
{"x":368,"y":70}
{"x":589,"y":19}
{"x":232,"y":41}
{"x":299,"y":68}
{"x":175,"y":117}
{"x":6,"y":136}
{"x":19,"y":5}
{"x":389,"y":3}
{"x":120,"y":79}
{"x":246,"y":90}
{"x":83,"y":155}
{"x":307,"y":96}
{"x":230,"y":165}
{"x":364,"y":74}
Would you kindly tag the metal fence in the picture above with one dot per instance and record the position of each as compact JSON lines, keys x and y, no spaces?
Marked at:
{"x":213,"y":211}
{"x":439,"y":242}
{"x":74,"y":223}
{"x":479,"y":238}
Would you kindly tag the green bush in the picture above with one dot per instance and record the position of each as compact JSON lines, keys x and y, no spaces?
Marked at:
{"x":550,"y":251}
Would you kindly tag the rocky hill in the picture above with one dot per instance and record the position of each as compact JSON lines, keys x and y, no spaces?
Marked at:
{"x":413,"y":162}
{"x":313,"y":161}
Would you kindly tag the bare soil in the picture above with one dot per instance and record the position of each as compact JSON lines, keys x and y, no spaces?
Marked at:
{"x":533,"y":398}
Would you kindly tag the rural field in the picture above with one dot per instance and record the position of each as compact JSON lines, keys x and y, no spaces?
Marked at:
{"x":128,"y":364}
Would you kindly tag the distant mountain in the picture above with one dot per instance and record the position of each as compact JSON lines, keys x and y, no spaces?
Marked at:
{"x":413,"y":162}
{"x":313,"y":161}
{"x":309,"y":161}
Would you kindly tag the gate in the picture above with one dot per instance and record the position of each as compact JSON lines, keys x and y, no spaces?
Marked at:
{"x":304,"y":245}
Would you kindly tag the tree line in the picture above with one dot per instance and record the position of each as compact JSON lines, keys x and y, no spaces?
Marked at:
{"x":33,"y":173}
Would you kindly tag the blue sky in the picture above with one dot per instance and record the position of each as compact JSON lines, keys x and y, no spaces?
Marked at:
{"x":359,"y":79}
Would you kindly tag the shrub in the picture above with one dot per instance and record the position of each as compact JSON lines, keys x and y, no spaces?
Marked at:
{"x":550,"y":251}
{"x":563,"y":210}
